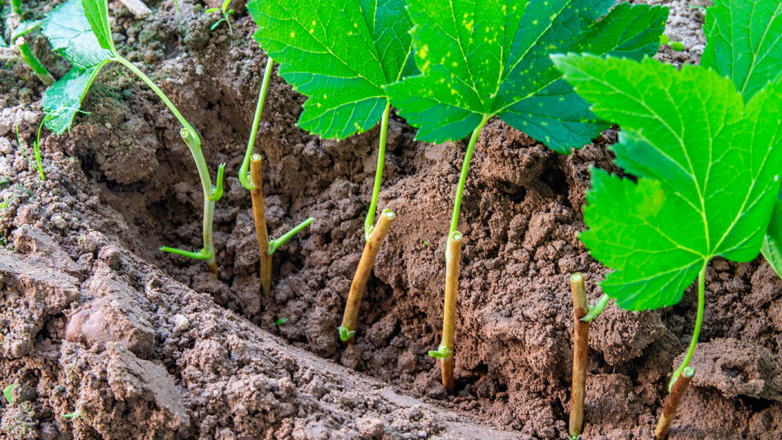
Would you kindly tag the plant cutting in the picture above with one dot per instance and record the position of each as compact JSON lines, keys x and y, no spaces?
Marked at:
{"x":341,"y":54}
{"x":80,"y":32}
{"x":707,"y":166}
{"x":253,"y":182}
{"x":580,"y":350}
{"x":226,"y":13}
{"x":484,"y":59}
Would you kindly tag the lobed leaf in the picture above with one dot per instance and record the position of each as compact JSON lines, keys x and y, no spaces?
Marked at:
{"x":70,"y":34}
{"x":744,"y":42}
{"x":707,"y":168}
{"x":481,"y":58}
{"x":338,"y":53}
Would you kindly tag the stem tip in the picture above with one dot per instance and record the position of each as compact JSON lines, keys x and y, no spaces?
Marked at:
{"x":576,"y":277}
{"x":688,"y":372}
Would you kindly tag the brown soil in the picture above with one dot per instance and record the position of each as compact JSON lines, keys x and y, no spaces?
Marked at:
{"x":147,"y":345}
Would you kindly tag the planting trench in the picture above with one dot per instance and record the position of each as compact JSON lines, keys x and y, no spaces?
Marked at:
{"x":149,"y":345}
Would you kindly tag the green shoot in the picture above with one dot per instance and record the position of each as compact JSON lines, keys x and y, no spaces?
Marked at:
{"x":492,"y":61}
{"x":80,"y":31}
{"x":676,"y":46}
{"x":16,"y":7}
{"x":426,"y":243}
{"x":24,"y":51}
{"x":38,"y":162}
{"x":253,"y":182}
{"x":343,"y":77}
{"x":8,"y":393}
{"x":707,"y":169}
{"x":226,"y":15}
{"x":280,"y":321}
{"x":597,"y":309}
{"x":74,"y":415}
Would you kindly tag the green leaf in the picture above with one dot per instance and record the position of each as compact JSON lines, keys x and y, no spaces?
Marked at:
{"x":70,"y":35}
{"x":481,"y":58}
{"x":339,"y":53}
{"x":744,"y":42}
{"x":706,"y":166}
{"x":8,"y":393}
{"x":442,"y":352}
{"x":63,"y":99}
{"x":210,"y":10}
{"x":224,"y":7}
{"x":97,"y":13}
{"x":24,"y":28}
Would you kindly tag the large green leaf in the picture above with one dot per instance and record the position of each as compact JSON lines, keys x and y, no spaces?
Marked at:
{"x":340,"y":53}
{"x":707,"y":169}
{"x":70,"y":34}
{"x":744,"y":42}
{"x":481,"y":58}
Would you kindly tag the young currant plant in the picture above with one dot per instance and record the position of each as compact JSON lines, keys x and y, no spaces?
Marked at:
{"x":253,"y":182}
{"x":223,"y":9}
{"x":340,"y":54}
{"x":80,"y":32}
{"x":479,"y":59}
{"x":707,"y":168}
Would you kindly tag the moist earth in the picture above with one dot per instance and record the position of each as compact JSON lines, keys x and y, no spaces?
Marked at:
{"x":132,"y":343}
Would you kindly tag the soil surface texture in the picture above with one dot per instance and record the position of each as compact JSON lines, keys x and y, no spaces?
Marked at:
{"x":131,"y":343}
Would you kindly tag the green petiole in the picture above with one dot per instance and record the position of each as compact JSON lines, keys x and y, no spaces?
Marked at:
{"x":457,"y":204}
{"x":274,"y":244}
{"x":244,"y":170}
{"x":16,"y":7}
{"x":597,"y":309}
{"x":369,"y":223}
{"x":200,"y":255}
{"x":697,"y":331}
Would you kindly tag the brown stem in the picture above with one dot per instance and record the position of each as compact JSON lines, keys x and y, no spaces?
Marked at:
{"x":580,"y":348}
{"x":213,"y":268}
{"x":260,"y":224}
{"x":453,"y":255}
{"x":361,"y":277}
{"x":672,"y":402}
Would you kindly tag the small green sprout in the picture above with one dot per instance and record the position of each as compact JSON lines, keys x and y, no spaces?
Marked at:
{"x":20,"y":46}
{"x":37,"y":163}
{"x":676,"y":46}
{"x":442,"y":352}
{"x":74,"y":415}
{"x":226,"y":15}
{"x":280,"y":321}
{"x":8,"y":393}
{"x":345,"y":334}
{"x":426,"y":243}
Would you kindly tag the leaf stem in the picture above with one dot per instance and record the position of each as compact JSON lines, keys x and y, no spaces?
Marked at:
{"x":190,"y":136}
{"x":369,"y":223}
{"x":597,"y":309}
{"x":16,"y":7}
{"x":288,"y":235}
{"x":457,"y":204}
{"x":29,"y":57}
{"x":244,"y":169}
{"x":697,"y":331}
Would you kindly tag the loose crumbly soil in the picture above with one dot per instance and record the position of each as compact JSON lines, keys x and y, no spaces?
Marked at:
{"x":145,"y":345}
